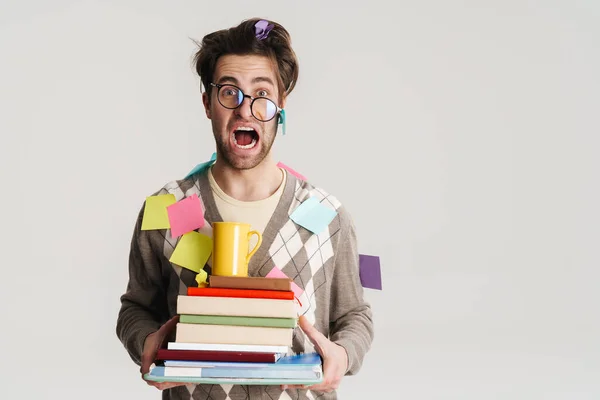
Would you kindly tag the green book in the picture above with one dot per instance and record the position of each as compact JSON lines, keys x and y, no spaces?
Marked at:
{"x":239,"y":321}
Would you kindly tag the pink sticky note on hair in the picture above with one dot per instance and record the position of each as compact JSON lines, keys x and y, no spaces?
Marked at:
{"x":291,"y":171}
{"x":186,"y":215}
{"x":277,"y":273}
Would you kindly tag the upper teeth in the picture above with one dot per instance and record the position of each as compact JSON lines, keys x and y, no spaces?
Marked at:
{"x":244,"y":128}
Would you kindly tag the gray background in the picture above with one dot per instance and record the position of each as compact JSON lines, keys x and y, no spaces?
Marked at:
{"x":462,"y":136}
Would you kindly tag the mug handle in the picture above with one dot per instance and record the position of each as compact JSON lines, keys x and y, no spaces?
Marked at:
{"x":249,"y":256}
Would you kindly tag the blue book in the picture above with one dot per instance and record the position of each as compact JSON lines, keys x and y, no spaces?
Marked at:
{"x":304,"y":369}
{"x":290,"y":361}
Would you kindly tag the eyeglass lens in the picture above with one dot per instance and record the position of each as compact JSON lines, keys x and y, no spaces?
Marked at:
{"x":262,"y":108}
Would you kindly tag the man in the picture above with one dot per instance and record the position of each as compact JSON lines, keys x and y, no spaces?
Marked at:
{"x":248,"y":72}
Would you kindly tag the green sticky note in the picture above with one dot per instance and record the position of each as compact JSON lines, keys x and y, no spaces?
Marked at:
{"x":155,"y":212}
{"x":192,"y":251}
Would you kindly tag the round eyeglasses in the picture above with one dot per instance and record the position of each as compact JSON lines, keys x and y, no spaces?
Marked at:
{"x":231,"y":97}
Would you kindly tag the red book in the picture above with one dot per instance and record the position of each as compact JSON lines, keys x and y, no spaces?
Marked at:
{"x":209,"y":355}
{"x":243,"y":293}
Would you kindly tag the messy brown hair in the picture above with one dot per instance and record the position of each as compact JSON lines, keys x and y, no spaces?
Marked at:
{"x":242,"y":40}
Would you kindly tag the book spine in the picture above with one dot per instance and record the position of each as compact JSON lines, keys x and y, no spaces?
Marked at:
{"x":215,"y":356}
{"x":261,"y":373}
{"x":215,"y":364}
{"x":194,"y":333}
{"x":250,"y":283}
{"x":236,"y":307}
{"x":240,"y":293}
{"x":227,"y":347}
{"x":238,"y":321}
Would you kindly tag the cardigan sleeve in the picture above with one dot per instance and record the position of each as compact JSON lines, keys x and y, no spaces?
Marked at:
{"x":144,"y":302}
{"x":351,"y":317}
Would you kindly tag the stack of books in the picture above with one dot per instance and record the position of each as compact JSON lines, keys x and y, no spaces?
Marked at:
{"x":236,"y":330}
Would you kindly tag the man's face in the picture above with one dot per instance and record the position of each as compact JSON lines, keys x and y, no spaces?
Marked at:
{"x":242,"y":140}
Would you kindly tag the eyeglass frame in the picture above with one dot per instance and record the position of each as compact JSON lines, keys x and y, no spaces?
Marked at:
{"x":244,"y":96}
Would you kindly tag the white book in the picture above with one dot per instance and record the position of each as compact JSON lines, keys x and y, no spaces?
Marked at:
{"x":231,"y":334}
{"x":243,"y":348}
{"x":236,"y":307}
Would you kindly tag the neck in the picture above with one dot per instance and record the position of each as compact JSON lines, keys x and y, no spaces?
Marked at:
{"x":253,"y":184}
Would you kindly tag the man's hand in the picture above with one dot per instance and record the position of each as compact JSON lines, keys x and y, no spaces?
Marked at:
{"x":335,"y":359}
{"x":153,"y":342}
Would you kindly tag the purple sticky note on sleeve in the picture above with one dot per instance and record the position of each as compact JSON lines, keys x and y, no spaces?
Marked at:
{"x":370,"y":271}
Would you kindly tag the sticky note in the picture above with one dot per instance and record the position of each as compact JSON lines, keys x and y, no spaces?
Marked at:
{"x":155,"y":212}
{"x":201,"y":278}
{"x":192,"y":251}
{"x":291,"y":171}
{"x":277,"y":273}
{"x":186,"y":215}
{"x":202,"y":166}
{"x":370,"y":271}
{"x":313,"y":215}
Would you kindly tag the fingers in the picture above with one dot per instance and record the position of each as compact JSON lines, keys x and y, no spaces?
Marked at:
{"x":169,"y":385}
{"x":148,"y":352}
{"x":169,"y":325}
{"x":166,"y":385}
{"x":285,"y":387}
{"x":326,"y":386}
{"x":316,"y":337}
{"x":165,"y":330}
{"x":153,"y":342}
{"x":147,"y":360}
{"x":332,"y":372}
{"x":145,"y":368}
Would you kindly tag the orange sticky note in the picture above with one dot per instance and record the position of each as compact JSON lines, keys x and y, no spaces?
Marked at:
{"x":192,"y":251}
{"x":155,"y":212}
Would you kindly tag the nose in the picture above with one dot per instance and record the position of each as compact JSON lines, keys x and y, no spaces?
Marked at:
{"x":243,"y":111}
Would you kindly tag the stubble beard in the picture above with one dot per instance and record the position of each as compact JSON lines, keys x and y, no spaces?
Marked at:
{"x":266,"y":143}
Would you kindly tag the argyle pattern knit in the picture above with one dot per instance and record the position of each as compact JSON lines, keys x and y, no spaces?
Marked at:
{"x":324,"y":265}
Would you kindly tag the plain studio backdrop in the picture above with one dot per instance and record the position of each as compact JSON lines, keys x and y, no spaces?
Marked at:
{"x":462,"y":136}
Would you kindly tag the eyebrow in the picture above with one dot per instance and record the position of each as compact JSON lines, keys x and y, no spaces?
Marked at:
{"x":231,"y":79}
{"x":228,"y":79}
{"x":263,"y":79}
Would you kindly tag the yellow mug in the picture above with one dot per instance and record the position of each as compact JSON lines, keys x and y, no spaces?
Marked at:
{"x":231,"y":240}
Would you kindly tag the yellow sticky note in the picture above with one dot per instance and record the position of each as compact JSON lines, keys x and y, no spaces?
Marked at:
{"x":155,"y":212}
{"x":201,"y":278}
{"x":192,"y":251}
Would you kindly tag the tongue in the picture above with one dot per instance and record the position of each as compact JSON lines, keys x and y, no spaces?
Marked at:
{"x":243,"y":138}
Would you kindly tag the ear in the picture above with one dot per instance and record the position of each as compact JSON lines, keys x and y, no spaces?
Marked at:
{"x":206,"y":102}
{"x":283,"y":99}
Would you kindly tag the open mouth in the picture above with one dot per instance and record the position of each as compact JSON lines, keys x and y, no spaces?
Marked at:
{"x":245,"y":138}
